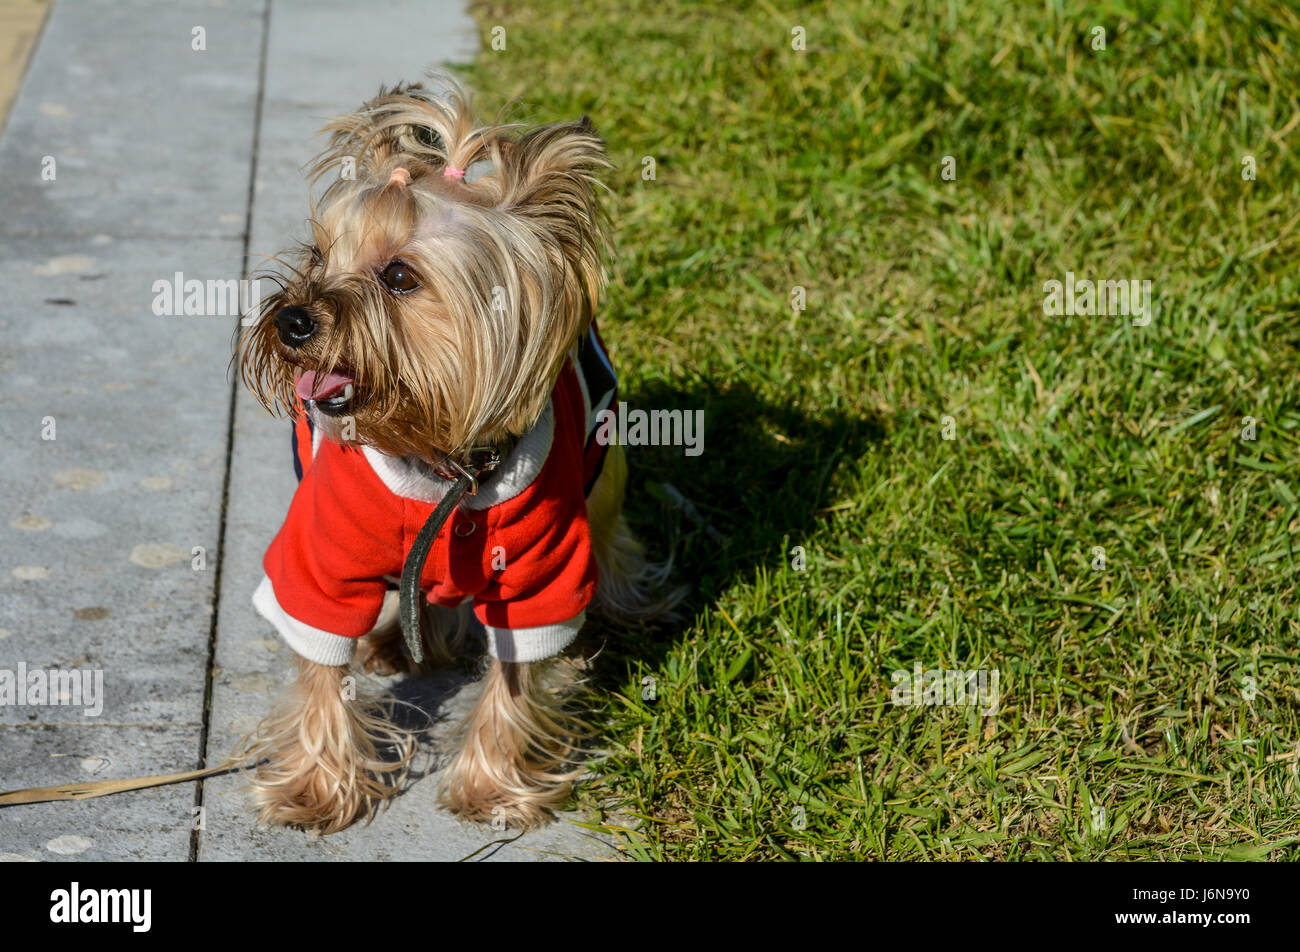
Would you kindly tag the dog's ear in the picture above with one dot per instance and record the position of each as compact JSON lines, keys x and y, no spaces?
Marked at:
{"x":552,"y":179}
{"x":548,"y":179}
{"x":554,"y":168}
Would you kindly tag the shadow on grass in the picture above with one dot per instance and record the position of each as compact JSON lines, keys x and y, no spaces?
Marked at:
{"x":758,"y":488}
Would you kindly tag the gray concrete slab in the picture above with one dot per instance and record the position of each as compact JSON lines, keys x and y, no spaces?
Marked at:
{"x":149,"y":135}
{"x":142,"y":825}
{"x":100,"y":522}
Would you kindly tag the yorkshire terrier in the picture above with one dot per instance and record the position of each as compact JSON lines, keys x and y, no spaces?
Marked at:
{"x":441,"y":317}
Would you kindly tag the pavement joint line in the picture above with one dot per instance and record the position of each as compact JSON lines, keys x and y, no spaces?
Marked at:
{"x":60,"y":725}
{"x":205,"y":731}
{"x":120,"y":236}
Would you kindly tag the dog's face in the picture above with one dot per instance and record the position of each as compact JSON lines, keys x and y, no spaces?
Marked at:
{"x":431,"y":311}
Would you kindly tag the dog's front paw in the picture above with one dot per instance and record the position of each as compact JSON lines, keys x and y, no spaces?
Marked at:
{"x":516,"y":758}
{"x":327,"y":758}
{"x":306,"y":797}
{"x":526,"y":812}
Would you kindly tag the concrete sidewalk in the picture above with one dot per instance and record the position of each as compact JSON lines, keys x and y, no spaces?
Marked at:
{"x":135,"y":506}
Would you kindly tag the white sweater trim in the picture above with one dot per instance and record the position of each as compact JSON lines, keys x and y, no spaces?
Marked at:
{"x":323,"y":647}
{"x":312,"y":643}
{"x":533,"y":644}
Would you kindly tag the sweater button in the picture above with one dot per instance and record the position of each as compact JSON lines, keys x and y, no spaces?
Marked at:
{"x":465,"y":529}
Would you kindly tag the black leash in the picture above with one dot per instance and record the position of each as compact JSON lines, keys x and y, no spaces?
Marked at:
{"x":413,"y":568}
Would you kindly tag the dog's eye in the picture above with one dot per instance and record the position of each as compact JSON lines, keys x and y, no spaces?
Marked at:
{"x":399,"y":278}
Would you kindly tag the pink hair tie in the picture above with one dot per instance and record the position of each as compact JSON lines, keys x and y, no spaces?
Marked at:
{"x":400,"y":176}
{"x":449,"y":172}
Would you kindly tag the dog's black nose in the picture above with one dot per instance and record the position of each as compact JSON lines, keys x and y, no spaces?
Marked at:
{"x":295,"y":326}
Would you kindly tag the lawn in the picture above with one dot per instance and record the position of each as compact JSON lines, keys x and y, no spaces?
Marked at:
{"x":922,"y":465}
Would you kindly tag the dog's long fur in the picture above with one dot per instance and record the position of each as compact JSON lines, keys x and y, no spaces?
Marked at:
{"x":326,"y":750}
{"x":453,"y":365}
{"x":514,"y":762}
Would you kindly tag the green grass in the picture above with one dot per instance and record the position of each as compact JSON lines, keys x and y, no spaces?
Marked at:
{"x":1122,"y":688}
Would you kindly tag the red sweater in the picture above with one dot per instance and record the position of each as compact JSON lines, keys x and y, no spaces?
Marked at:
{"x":520,"y":549}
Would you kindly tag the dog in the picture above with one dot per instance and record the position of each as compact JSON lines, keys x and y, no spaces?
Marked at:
{"x":442,"y":314}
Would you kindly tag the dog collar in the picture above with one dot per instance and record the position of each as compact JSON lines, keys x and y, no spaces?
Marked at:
{"x":476,"y":464}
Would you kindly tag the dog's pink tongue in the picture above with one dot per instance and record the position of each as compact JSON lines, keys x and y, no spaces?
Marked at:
{"x":314,"y":386}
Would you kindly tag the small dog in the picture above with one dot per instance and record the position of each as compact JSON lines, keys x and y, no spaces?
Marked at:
{"x":444,"y":308}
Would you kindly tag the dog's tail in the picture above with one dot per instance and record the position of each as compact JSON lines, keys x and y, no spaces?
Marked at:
{"x":633,"y":590}
{"x":630,"y":589}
